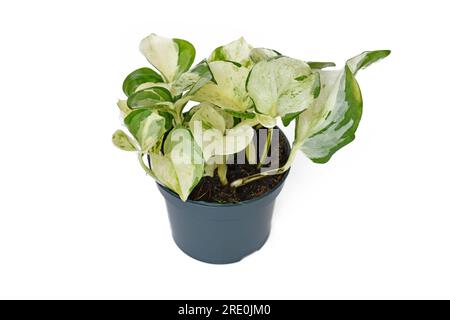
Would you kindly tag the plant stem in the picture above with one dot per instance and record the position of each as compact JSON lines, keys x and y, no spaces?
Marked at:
{"x":222,"y":173}
{"x":250,"y":153}
{"x":298,"y":141}
{"x":144,"y":166}
{"x":243,"y":181}
{"x":266,"y":148}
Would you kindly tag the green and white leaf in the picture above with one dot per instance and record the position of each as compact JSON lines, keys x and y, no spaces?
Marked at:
{"x":147,"y":85}
{"x":181,"y":167}
{"x":139,"y":77}
{"x":149,"y":97}
{"x":237,"y":51}
{"x":212,"y":164}
{"x":236,"y":139}
{"x":192,"y":80}
{"x":172,"y":57}
{"x":266,"y":121}
{"x":123,"y":107}
{"x":122,"y":141}
{"x":263,"y":54}
{"x":209,"y":126}
{"x":332,"y":121}
{"x":320,"y":65}
{"x":281,"y":86}
{"x":148,"y":128}
{"x":228,"y":91}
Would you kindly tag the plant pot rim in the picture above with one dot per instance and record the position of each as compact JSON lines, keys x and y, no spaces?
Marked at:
{"x":230,"y":204}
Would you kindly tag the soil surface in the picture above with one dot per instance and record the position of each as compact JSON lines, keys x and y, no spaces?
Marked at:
{"x":210,"y":189}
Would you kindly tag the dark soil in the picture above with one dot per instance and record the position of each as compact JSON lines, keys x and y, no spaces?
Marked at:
{"x":210,"y":189}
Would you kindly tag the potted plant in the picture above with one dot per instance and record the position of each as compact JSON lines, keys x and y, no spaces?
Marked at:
{"x":221,"y":162}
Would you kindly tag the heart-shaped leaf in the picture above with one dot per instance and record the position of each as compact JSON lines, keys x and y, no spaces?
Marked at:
{"x":281,"y":86}
{"x":147,"y":126}
{"x":172,"y":57}
{"x":149,"y":97}
{"x":138,"y":77}
{"x":331,"y":122}
{"x":237,"y":51}
{"x":181,"y":167}
{"x":262,"y":54}
{"x":210,"y":128}
{"x":228,"y":90}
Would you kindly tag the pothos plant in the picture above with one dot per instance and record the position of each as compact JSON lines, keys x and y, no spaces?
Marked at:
{"x":237,"y":88}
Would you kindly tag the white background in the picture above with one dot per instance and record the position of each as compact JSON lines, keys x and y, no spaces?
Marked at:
{"x":80,"y":219}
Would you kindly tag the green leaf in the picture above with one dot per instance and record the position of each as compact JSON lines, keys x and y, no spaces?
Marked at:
{"x":332,"y":121}
{"x":205,"y":76}
{"x":365,"y":59}
{"x":172,"y":57}
{"x":320,"y":65}
{"x":229,"y":90}
{"x":149,"y":97}
{"x":147,"y":126}
{"x":186,"y":55}
{"x":122,"y":141}
{"x":275,"y":90}
{"x":287,"y":119}
{"x":181,"y":167}
{"x":237,"y":51}
{"x":241,"y":115}
{"x":138,"y":77}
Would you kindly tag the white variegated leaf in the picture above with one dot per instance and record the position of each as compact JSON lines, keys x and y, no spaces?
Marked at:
{"x":209,"y":127}
{"x":261,"y":54}
{"x":332,"y":120}
{"x":235,"y":140}
{"x":209,"y":117}
{"x":164,"y":171}
{"x":236,"y":51}
{"x":181,"y":167}
{"x":266,"y":121}
{"x":147,"y":127}
{"x":172,"y":57}
{"x":123,"y":107}
{"x":281,"y":86}
{"x":228,"y":91}
{"x":147,"y":85}
{"x":122,"y":141}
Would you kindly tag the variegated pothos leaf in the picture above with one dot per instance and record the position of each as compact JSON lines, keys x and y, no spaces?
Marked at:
{"x":331,"y":122}
{"x":228,"y":91}
{"x":172,"y":57}
{"x":281,"y":86}
{"x":181,"y":167}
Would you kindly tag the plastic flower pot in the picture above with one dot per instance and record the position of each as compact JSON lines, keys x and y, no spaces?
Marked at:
{"x":221,"y":233}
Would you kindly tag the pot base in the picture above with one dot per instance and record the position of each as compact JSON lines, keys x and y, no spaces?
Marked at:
{"x":222,"y":260}
{"x":220,"y":233}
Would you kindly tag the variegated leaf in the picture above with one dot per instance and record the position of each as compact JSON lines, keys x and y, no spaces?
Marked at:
{"x":147,"y":126}
{"x":237,"y":51}
{"x":281,"y":86}
{"x":122,"y":141}
{"x":172,"y":57}
{"x":332,"y":121}
{"x":181,"y":167}
{"x":228,"y":91}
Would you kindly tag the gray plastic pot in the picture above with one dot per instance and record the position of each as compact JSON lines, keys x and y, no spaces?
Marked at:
{"x":221,"y":233}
